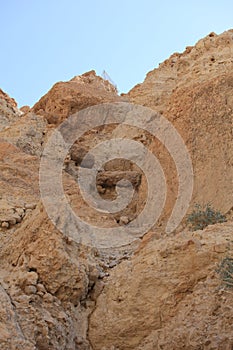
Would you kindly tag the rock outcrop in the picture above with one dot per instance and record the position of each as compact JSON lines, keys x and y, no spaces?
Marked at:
{"x":27,"y":133}
{"x":9,"y":100}
{"x":194,"y":91}
{"x":8,"y":110}
{"x":66,"y":98}
{"x":168,"y":296}
{"x":19,"y":186}
{"x":209,"y":58}
{"x":162,"y":292}
{"x":45,"y":279}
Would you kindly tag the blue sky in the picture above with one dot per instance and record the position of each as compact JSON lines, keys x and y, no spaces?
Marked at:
{"x":45,"y":41}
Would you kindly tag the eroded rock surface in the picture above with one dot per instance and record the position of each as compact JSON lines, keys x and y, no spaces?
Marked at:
{"x":8,"y":110}
{"x":162,"y":292}
{"x":66,"y":98}
{"x":193,"y":90}
{"x":168,"y":296}
{"x":27,"y":133}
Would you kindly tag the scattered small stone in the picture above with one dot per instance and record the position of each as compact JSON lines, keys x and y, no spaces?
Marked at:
{"x":112,"y":264}
{"x":103,"y":264}
{"x":41,"y":288}
{"x":30,"y":206}
{"x":32,"y":278}
{"x":20,"y":211}
{"x":30,"y":289}
{"x":101,"y":189}
{"x":5,"y":224}
{"x":17,"y":217}
{"x":48,"y":298}
{"x":68,"y":240}
{"x":124,"y":220}
{"x":28,"y":211}
{"x":112,"y":257}
{"x":67,"y":159}
{"x":102,"y":275}
{"x":12,"y":221}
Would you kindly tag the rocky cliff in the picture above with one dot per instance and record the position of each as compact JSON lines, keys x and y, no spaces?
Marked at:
{"x":194,"y":91}
{"x":161,"y":291}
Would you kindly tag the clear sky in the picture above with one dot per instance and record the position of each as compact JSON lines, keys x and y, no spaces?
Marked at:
{"x":45,"y":41}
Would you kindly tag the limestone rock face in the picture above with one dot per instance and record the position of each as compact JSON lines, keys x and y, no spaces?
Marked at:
{"x":25,"y":130}
{"x":168,"y":296}
{"x":9,"y":100}
{"x":11,"y":336}
{"x":8,"y":110}
{"x":27,"y":133}
{"x":66,"y":98}
{"x":45,"y":278}
{"x":194,"y":91}
{"x":209,"y":58}
{"x":162,"y":291}
{"x":45,"y":282}
{"x":19,"y":176}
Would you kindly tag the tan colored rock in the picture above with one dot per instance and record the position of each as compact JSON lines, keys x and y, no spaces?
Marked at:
{"x":20,"y":211}
{"x":27,"y":133}
{"x":30,"y":206}
{"x":124,"y":220}
{"x":5,"y":224}
{"x":12,"y":221}
{"x":11,"y":336}
{"x":55,"y":293}
{"x":193,"y":90}
{"x":31,"y":278}
{"x":18,"y":182}
{"x":111,"y":178}
{"x":37,"y":252}
{"x":209,"y":58}
{"x":10,"y":101}
{"x":66,"y":98}
{"x":51,"y":261}
{"x":167,"y":301}
{"x":9,"y":113}
{"x":77,"y":154}
{"x":25,"y":109}
{"x":41,"y":288}
{"x":30,"y":289}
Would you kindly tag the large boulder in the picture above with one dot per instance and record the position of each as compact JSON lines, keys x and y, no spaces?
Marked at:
{"x":66,"y":98}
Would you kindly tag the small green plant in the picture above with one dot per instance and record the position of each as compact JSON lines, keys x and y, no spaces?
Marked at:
{"x":202,"y":216}
{"x":225,"y":271}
